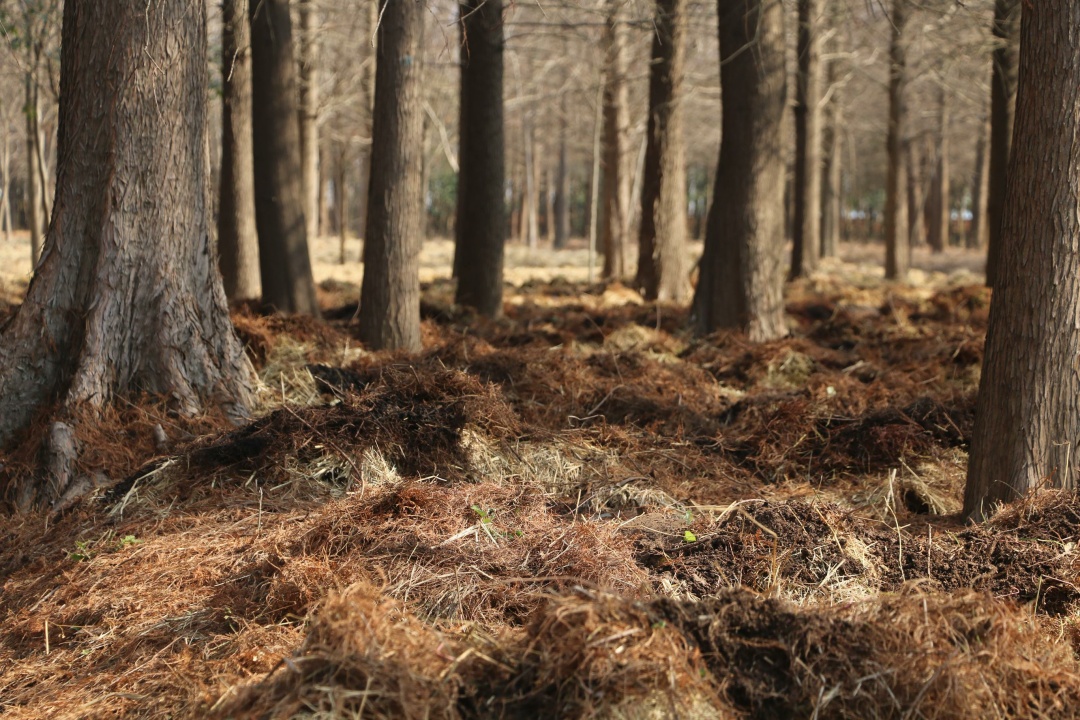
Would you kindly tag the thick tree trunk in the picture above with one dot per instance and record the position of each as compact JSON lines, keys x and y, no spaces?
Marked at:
{"x":562,"y":187}
{"x":807,"y":217}
{"x":616,"y":188}
{"x":309,"y":113}
{"x":1006,"y":29}
{"x":978,"y":235}
{"x":662,"y":262}
{"x":390,"y":295}
{"x":284,"y":262}
{"x":897,"y":241}
{"x":481,"y":209}
{"x":5,"y":184}
{"x":238,"y":243}
{"x":1027,"y":419}
{"x":742,"y":273}
{"x":34,"y":190}
{"x":126,"y":297}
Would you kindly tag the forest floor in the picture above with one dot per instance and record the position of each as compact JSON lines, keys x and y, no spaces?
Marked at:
{"x":578,"y":510}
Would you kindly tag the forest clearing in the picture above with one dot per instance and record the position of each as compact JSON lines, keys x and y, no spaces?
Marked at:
{"x":493,"y":360}
{"x":579,"y":510}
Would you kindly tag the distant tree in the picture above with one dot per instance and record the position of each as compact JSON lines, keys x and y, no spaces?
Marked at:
{"x":1027,"y":419}
{"x":831,"y":166}
{"x":977,"y":238}
{"x":937,"y":223}
{"x":662,"y":263}
{"x":897,"y":242}
{"x":126,"y":298}
{"x":285,"y":265}
{"x":615,"y":184}
{"x":1006,"y":29}
{"x":562,"y":184}
{"x":481,"y":216}
{"x":390,"y":294}
{"x":807,"y":220}
{"x":238,"y":242}
{"x":741,"y":279}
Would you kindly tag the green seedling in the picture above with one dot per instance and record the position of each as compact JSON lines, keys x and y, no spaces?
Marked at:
{"x":82,"y":551}
{"x":689,"y":537}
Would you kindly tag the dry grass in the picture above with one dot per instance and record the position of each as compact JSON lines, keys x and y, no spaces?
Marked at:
{"x":576,"y":511}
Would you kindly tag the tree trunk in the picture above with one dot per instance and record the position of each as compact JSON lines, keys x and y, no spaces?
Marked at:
{"x":284,"y":262}
{"x":126,"y":297}
{"x":342,"y":184}
{"x":916,"y":192}
{"x":309,"y":114}
{"x":616,"y":189}
{"x":1006,"y":29}
{"x":1027,"y":419}
{"x":5,"y":183}
{"x":562,"y":186}
{"x":530,"y":230}
{"x":390,"y":295}
{"x":662,"y":262}
{"x":978,"y":235}
{"x":831,"y":170}
{"x":807,"y":217}
{"x":238,"y":243}
{"x":897,"y":241}
{"x":481,"y":209}
{"x":938,"y":222}
{"x":742,"y":273}
{"x":549,"y":205}
{"x":34,"y":190}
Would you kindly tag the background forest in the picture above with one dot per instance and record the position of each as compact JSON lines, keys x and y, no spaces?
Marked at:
{"x":502,"y":359}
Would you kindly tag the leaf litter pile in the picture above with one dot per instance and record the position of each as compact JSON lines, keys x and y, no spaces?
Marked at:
{"x":575,"y":511}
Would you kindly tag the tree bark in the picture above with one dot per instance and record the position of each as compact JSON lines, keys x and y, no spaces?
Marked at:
{"x":481,"y":209}
{"x":34,"y":190}
{"x":977,"y":238}
{"x":1027,"y":419}
{"x":897,"y":241}
{"x":616,"y":188}
{"x":390,"y":294}
{"x":238,"y":243}
{"x":284,"y":262}
{"x":662,"y":262}
{"x":126,"y":297}
{"x":807,"y":216}
{"x":1006,"y":29}
{"x":309,"y":114}
{"x":741,"y":280}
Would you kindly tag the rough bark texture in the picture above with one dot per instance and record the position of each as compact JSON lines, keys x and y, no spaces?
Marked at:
{"x":1027,"y":419}
{"x":390,"y":295}
{"x":309,"y":113}
{"x":1002,"y":107}
{"x":481,"y":210}
{"x":126,"y":297}
{"x":741,"y":280}
{"x":34,"y":190}
{"x":238,"y":243}
{"x":807,"y":220}
{"x":978,"y":235}
{"x":662,"y":261}
{"x":284,"y":263}
{"x":897,"y":242}
{"x":615,"y":180}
